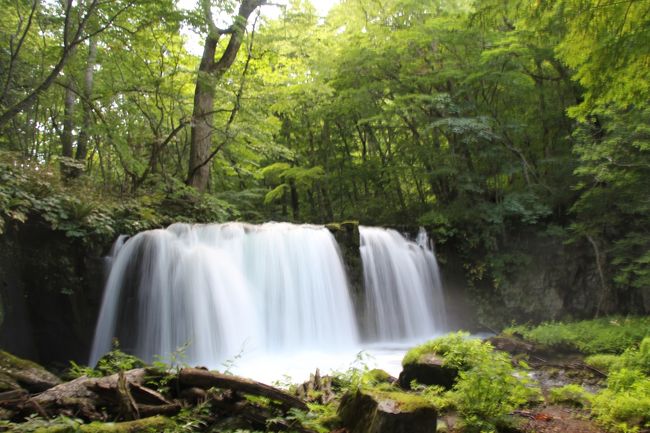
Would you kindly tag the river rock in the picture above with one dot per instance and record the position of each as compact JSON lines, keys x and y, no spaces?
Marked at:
{"x":17,"y":373}
{"x":386,"y":412}
{"x":428,"y":370}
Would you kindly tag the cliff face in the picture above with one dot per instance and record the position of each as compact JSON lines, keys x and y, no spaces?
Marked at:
{"x":536,"y":278}
{"x":50,"y":289}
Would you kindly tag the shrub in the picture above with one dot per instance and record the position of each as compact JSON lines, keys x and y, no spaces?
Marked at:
{"x":603,"y":362}
{"x":488,"y":387}
{"x":572,"y":394}
{"x":606,"y":335}
{"x":625,"y":405}
{"x":458,"y":350}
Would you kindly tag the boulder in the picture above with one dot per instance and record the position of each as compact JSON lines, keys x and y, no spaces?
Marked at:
{"x":429,"y":369}
{"x":512,"y":345}
{"x":386,"y":412}
{"x":17,"y":373}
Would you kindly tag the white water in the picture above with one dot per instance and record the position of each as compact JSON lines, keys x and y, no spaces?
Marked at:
{"x":270,"y":299}
{"x":403,"y":298}
{"x":223,"y":289}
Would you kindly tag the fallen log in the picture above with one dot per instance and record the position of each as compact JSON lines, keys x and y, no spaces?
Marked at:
{"x":122,"y":393}
{"x":193,"y":377}
{"x":72,"y":397}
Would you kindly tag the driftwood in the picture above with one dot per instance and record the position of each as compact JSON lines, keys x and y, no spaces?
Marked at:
{"x":193,"y":377}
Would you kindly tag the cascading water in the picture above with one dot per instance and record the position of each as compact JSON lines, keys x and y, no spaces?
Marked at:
{"x":403,"y":291}
{"x":217,"y":288}
{"x":276,"y":292}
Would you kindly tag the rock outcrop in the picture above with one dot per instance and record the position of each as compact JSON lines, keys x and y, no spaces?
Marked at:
{"x":366,"y":411}
{"x":429,"y":369}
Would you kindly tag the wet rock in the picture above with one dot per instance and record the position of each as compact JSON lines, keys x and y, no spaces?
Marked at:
{"x":512,"y":345}
{"x":428,"y":370}
{"x":386,"y":412}
{"x":17,"y":373}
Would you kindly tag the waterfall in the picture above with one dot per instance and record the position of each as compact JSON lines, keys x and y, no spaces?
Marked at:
{"x":403,"y":291}
{"x":271,"y":289}
{"x":221,"y":288}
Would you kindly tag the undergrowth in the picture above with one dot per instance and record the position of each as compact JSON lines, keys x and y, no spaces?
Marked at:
{"x":619,"y":347}
{"x":488,"y":387}
{"x":604,"y":335}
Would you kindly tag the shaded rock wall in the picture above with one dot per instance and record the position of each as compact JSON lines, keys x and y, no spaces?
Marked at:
{"x":51,"y":288}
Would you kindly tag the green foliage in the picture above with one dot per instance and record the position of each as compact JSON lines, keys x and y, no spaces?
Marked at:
{"x":111,"y":363}
{"x":116,"y":361}
{"x":488,"y":387}
{"x":625,"y":405}
{"x":604,"y":335}
{"x":603,"y":362}
{"x":33,"y":193}
{"x":458,"y":350}
{"x":571,"y":394}
{"x":485,"y":394}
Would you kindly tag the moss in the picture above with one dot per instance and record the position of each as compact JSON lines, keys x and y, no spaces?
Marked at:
{"x":154,"y":424}
{"x":344,"y":225}
{"x":16,"y":372}
{"x":405,"y":402}
{"x":457,"y":350}
{"x":333,"y":227}
{"x":57,"y":429}
{"x":7,"y":383}
{"x":414,"y":354}
{"x":9,"y":362}
{"x":377,"y":376}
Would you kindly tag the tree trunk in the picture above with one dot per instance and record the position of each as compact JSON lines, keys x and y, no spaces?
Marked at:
{"x":201,"y":135}
{"x":210,"y":72}
{"x":89,"y":77}
{"x":68,"y":113}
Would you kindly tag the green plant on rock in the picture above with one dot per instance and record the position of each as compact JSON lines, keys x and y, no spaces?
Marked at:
{"x":488,"y":387}
{"x":571,"y":394}
{"x":458,"y":350}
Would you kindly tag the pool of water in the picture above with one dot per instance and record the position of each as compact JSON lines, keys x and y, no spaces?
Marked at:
{"x":287,"y":368}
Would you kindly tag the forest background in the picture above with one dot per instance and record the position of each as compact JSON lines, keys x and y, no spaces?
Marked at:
{"x":516,"y":131}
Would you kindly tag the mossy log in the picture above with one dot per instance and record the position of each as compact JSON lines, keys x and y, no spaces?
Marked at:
{"x":122,"y":394}
{"x":194,"y":377}
{"x":17,"y":373}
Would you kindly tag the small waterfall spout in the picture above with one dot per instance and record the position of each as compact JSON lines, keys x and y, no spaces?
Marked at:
{"x":403,"y":299}
{"x":215,"y":288}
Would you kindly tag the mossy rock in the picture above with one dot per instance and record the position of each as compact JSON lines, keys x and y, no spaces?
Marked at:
{"x":378,"y":376}
{"x":428,"y":369}
{"x":155,"y":424}
{"x":372,"y":411}
{"x":16,"y":373}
